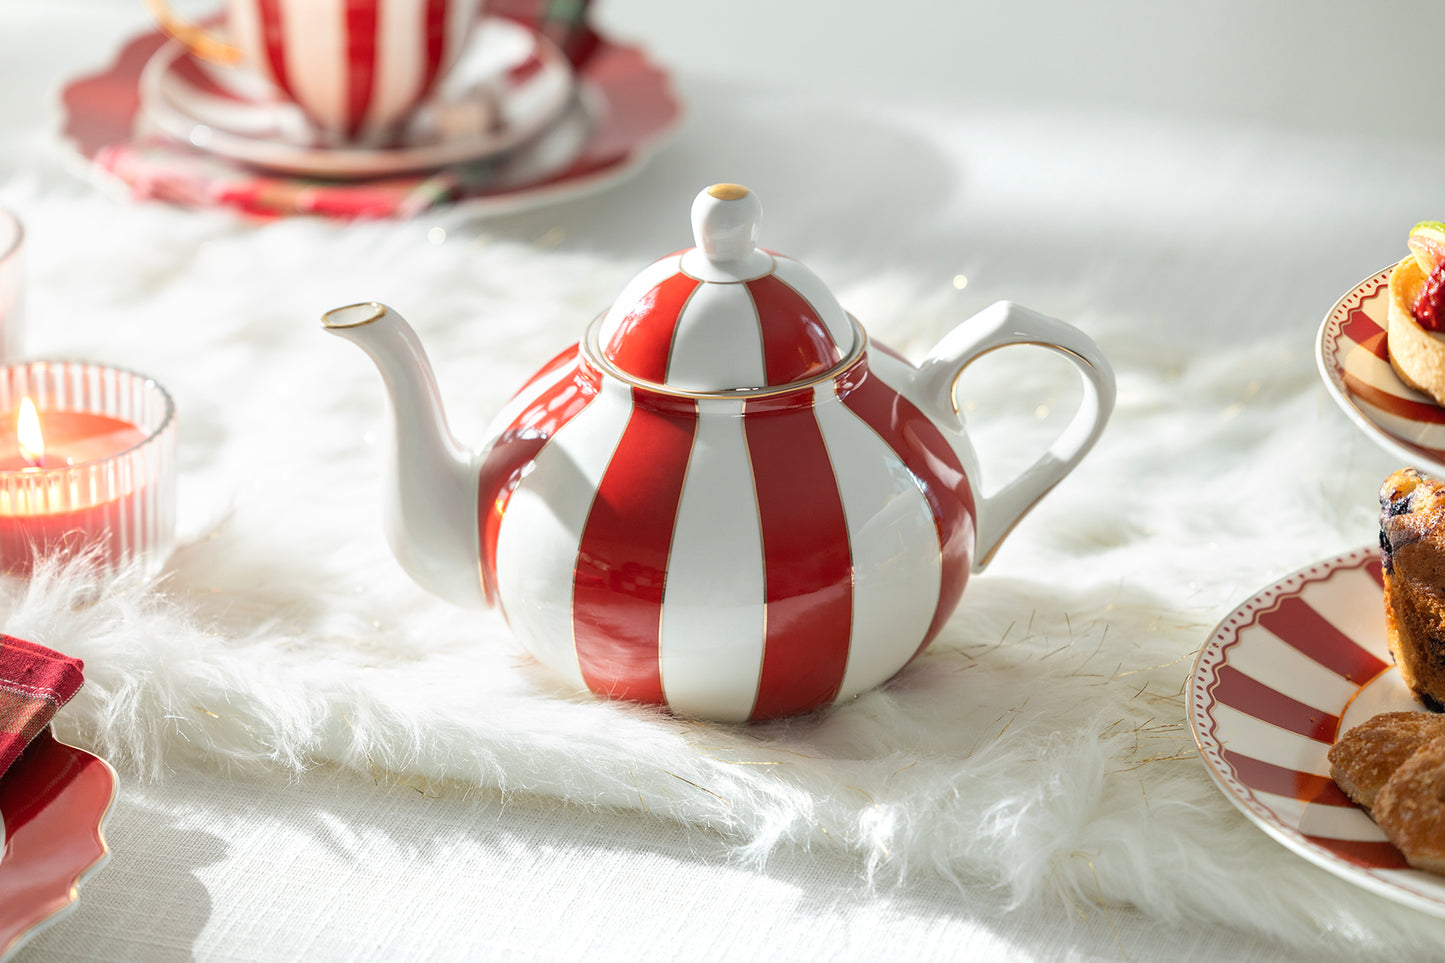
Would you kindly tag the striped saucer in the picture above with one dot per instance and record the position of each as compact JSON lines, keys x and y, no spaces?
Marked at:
{"x":1353,"y":360}
{"x":1286,"y":673}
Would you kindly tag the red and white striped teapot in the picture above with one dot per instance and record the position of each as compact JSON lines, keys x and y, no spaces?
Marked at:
{"x":724,"y":499}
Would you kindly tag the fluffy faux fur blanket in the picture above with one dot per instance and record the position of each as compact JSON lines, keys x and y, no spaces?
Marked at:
{"x":1039,"y":745}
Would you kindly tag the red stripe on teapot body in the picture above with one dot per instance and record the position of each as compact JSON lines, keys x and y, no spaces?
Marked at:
{"x":730,"y":558}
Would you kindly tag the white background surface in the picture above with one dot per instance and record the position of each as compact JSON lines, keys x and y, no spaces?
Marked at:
{"x":1331,"y":67}
{"x":1291,"y":128}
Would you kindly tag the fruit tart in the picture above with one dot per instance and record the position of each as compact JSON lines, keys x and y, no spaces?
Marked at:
{"x":1417,"y":312}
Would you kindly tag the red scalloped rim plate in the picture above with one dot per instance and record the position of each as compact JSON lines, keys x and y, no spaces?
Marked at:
{"x":53,"y":801}
{"x":624,"y":111}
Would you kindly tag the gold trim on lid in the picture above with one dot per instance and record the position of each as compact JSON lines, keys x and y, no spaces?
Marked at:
{"x":728,"y":192}
{"x":591,"y":350}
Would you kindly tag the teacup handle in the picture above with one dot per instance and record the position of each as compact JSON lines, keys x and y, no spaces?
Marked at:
{"x":997,"y":326}
{"x":201,"y":41}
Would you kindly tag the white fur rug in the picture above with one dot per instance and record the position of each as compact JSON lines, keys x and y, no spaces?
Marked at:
{"x":1040,"y":746}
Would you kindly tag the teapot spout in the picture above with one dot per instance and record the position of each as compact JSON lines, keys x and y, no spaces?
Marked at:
{"x":431,"y":498}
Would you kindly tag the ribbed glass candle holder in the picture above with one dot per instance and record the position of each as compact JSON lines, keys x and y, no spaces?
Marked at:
{"x":105,"y":485}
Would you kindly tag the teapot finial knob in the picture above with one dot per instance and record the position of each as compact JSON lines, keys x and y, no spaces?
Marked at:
{"x":725,"y":220}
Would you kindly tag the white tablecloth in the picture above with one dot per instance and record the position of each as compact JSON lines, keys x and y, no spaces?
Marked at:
{"x":254,"y":865}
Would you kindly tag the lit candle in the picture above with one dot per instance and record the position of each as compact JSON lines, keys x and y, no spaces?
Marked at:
{"x":86,"y":465}
{"x":67,"y":438}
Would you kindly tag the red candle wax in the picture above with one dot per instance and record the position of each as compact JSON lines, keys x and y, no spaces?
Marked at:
{"x":77,"y":497}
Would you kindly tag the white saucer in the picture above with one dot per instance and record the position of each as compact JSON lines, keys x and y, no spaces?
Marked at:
{"x":509,"y":86}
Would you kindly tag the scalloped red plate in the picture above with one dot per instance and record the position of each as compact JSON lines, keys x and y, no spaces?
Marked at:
{"x":626,"y":110}
{"x":53,"y":802}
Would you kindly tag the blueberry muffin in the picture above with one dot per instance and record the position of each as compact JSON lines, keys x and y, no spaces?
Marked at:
{"x":1412,"y":554}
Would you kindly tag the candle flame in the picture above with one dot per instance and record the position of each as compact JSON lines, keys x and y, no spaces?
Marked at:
{"x":27,"y":433}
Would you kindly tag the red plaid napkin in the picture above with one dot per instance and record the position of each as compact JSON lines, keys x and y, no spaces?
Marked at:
{"x":34,"y":683}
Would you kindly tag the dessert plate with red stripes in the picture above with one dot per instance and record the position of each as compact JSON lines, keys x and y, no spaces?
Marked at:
{"x":1353,"y":359}
{"x":1299,"y":663}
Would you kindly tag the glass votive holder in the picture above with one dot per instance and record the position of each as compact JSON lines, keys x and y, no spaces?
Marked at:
{"x":99,"y":481}
{"x":12,"y":287}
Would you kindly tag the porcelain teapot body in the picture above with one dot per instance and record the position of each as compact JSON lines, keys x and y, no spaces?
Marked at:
{"x":735,"y":522}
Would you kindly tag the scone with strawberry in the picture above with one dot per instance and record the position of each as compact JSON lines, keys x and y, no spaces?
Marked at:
{"x":1417,"y":312}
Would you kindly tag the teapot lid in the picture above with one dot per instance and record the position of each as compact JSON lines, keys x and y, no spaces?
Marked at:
{"x":726,"y":315}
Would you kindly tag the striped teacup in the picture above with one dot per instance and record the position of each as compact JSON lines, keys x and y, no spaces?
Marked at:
{"x":356,"y":68}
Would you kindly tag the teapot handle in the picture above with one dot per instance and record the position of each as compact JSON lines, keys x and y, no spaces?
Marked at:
{"x":1000,"y":325}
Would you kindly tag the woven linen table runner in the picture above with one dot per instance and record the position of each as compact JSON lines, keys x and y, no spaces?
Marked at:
{"x":34,"y":683}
